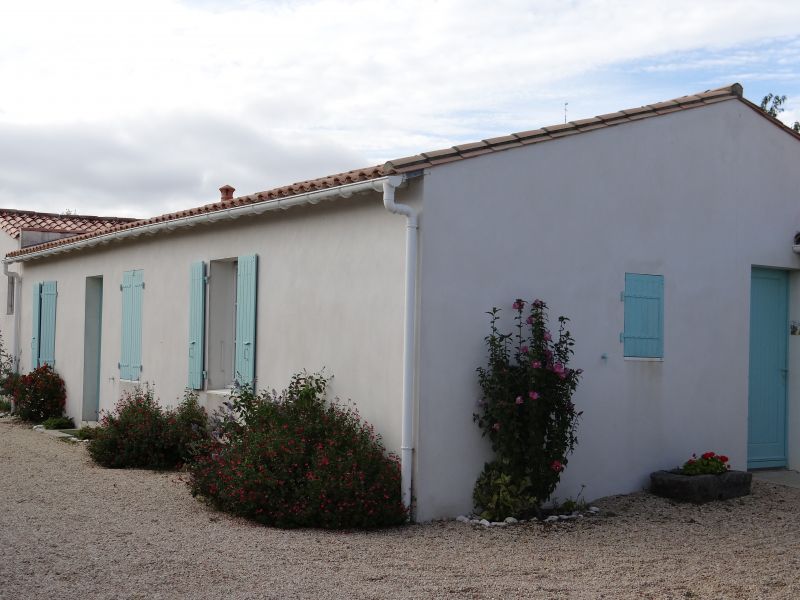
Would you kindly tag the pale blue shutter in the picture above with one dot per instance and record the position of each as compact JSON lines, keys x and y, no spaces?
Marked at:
{"x":47,"y":327}
{"x":644,"y":316}
{"x":197,"y":321}
{"x":127,"y":322}
{"x":130,"y":364}
{"x":37,"y":322}
{"x":246,"y":292}
{"x":137,"y":289}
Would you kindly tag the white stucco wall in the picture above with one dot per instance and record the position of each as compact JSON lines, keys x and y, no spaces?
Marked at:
{"x":7,"y":244}
{"x":330,"y":294}
{"x":697,"y":196}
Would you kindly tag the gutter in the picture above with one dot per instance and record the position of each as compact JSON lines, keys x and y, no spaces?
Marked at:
{"x":257,"y":208}
{"x":390,"y":184}
{"x":15,"y":351}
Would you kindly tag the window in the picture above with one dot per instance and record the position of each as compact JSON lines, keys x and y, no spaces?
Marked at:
{"x":643,"y":335}
{"x":130,"y":364}
{"x":43,"y":337}
{"x":222,"y":322}
{"x":10,"y":296}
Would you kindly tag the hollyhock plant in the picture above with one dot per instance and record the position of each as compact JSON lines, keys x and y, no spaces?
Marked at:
{"x":526,"y":411}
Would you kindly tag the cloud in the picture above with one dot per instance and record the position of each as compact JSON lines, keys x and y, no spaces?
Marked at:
{"x":142,"y":168}
{"x":132,"y":106}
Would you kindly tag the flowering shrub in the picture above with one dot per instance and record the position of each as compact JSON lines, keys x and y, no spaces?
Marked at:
{"x":139,"y":433}
{"x":39,"y":395}
{"x":708,"y":464}
{"x":295,"y":460}
{"x":526,"y":411}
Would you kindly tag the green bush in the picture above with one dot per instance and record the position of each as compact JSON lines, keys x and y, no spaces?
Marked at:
{"x":141,"y":434}
{"x":59,"y":423}
{"x":87,"y":433}
{"x":40,"y":395}
{"x":526,"y":412}
{"x":5,"y":405}
{"x":295,"y":460}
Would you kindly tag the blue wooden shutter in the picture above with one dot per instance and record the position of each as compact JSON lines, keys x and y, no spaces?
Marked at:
{"x":127,"y":320}
{"x":137,"y":289}
{"x":644,"y":315}
{"x":37,"y":322}
{"x":47,"y":327}
{"x":197,"y":321}
{"x":130,"y":364}
{"x":246,"y":292}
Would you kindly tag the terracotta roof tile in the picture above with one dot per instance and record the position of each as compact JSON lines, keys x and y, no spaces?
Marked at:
{"x":12,"y":221}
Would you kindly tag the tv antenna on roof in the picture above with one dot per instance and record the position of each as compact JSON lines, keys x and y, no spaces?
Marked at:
{"x":565,"y":112}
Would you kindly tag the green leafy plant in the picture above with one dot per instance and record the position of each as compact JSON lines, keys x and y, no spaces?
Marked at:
{"x":501,"y":495}
{"x":709,"y":463}
{"x":296,"y":460}
{"x":140,"y":433}
{"x":5,"y":405}
{"x":526,"y":410}
{"x":40,"y":395}
{"x":87,"y":433}
{"x":59,"y":423}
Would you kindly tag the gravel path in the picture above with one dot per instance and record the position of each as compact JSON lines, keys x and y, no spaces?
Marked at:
{"x":71,"y":529}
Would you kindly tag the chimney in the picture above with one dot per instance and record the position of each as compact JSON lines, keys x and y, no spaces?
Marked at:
{"x":226,"y":192}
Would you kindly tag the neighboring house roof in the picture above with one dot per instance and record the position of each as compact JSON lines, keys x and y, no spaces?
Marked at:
{"x":14,"y":221}
{"x":439,"y":157}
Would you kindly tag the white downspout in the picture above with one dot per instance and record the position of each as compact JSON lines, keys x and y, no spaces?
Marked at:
{"x":409,"y":342}
{"x":17,"y":319}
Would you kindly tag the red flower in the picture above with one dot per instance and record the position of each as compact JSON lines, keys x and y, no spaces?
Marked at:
{"x":708,"y":455}
{"x":557,"y":466}
{"x":723,"y":458}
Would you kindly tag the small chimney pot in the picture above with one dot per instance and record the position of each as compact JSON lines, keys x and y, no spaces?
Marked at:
{"x":226,"y":192}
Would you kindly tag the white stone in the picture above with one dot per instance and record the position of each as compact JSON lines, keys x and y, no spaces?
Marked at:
{"x":551,"y":519}
{"x":511,"y":520}
{"x":499,"y":524}
{"x":485,"y":523}
{"x":462,"y":518}
{"x":594,"y":510}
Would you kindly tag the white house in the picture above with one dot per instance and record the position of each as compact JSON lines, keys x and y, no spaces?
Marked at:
{"x":664,"y":232}
{"x":23,"y":228}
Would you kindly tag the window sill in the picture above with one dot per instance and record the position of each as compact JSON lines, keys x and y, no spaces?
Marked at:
{"x":130,"y":380}
{"x":642,"y":359}
{"x":222,"y":392}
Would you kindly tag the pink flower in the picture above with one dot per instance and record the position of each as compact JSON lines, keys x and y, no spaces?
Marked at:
{"x":536,"y":364}
{"x":519,"y":400}
{"x":529,"y":320}
{"x":559,"y":370}
{"x":496,"y":426}
{"x":557,"y":466}
{"x":524,"y":349}
{"x":547,"y":336}
{"x":538,"y":303}
{"x":519,"y":304}
{"x":533,"y":395}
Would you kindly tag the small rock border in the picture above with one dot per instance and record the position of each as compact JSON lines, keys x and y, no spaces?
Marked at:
{"x":475,"y":520}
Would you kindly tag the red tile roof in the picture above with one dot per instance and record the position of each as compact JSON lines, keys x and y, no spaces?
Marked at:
{"x":13,"y":221}
{"x":438,"y":157}
{"x":273,"y":194}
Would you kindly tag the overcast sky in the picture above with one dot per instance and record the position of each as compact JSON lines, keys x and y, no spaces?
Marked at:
{"x":139,"y":107}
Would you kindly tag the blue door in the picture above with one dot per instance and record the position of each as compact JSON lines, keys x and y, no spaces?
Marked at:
{"x":766,"y":421}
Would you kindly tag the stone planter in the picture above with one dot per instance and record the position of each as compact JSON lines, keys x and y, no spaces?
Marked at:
{"x":700,"y":488}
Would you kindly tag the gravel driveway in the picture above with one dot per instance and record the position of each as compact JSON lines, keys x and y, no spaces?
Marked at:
{"x":70,"y":529}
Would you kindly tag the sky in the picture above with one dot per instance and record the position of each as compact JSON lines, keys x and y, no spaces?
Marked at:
{"x":137,"y":108}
